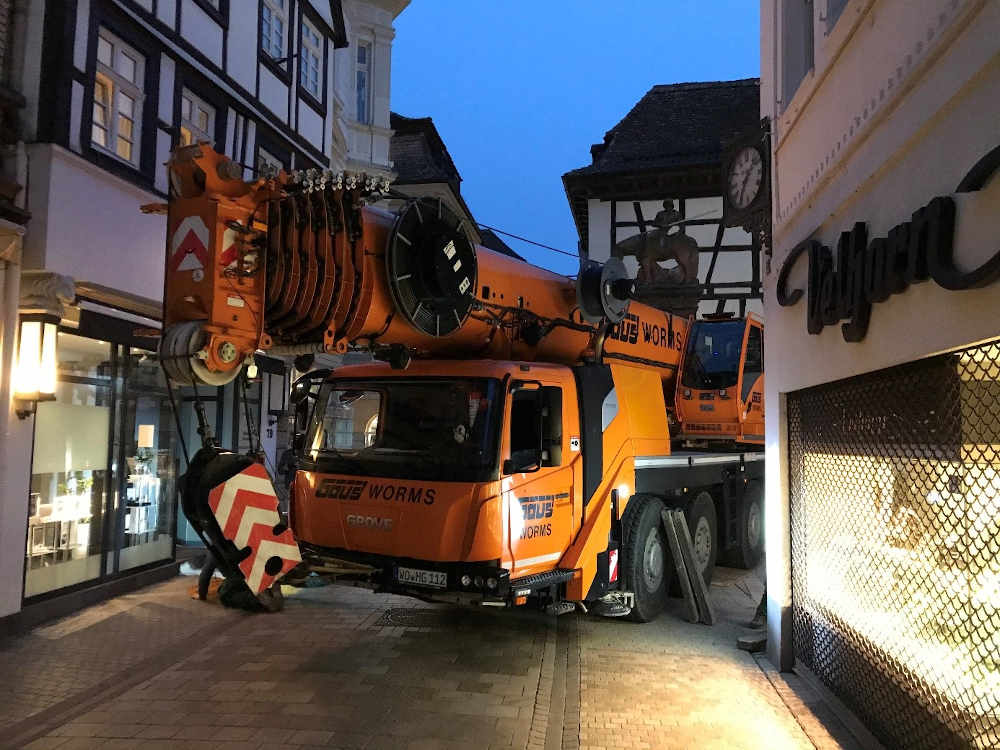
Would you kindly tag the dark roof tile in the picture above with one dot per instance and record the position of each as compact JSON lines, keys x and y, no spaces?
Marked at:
{"x":677,"y":125}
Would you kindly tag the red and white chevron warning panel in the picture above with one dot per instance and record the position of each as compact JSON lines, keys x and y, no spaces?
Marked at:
{"x":246,"y":508}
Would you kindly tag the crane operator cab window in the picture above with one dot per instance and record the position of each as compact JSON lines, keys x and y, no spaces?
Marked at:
{"x":535,"y":428}
{"x":415,"y":429}
{"x":753,"y":366}
{"x":712,"y":360}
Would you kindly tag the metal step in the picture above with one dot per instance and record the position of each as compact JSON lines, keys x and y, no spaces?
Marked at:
{"x":523,"y":586}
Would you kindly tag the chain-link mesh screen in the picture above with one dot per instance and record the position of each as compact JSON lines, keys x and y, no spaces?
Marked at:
{"x":895,"y":516}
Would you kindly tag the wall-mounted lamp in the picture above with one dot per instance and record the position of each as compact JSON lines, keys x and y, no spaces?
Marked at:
{"x":35,"y":374}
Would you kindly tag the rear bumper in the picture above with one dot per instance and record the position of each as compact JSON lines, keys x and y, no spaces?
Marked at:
{"x":381,"y":571}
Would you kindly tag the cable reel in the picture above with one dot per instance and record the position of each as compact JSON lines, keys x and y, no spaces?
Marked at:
{"x":603,"y":290}
{"x":431,"y":267}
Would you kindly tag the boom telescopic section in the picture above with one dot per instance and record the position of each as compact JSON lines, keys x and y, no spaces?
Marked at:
{"x":302,"y":263}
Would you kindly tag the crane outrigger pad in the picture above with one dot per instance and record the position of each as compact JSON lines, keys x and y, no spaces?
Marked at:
{"x":231,"y":502}
{"x":246,"y":509}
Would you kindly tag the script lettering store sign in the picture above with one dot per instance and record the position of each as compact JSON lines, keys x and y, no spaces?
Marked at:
{"x":870,"y":271}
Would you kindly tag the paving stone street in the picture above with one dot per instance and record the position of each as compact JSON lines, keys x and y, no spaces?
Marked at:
{"x":345,"y":668}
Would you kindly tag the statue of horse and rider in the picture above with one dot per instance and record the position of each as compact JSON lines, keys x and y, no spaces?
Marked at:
{"x":657,"y":245}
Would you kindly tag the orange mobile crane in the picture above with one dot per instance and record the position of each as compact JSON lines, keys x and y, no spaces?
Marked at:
{"x":516,"y":433}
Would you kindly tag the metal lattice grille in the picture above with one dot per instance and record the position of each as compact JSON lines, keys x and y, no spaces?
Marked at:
{"x":895,"y":517}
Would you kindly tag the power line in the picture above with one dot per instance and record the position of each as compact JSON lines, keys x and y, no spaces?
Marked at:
{"x":531,"y":242}
{"x":577,"y":255}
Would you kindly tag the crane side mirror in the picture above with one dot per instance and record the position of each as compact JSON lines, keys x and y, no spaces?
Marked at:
{"x":523,"y":462}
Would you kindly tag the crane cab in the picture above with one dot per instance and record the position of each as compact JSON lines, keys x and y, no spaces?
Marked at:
{"x":720,"y":392}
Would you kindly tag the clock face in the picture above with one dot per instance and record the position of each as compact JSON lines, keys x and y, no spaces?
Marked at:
{"x":746,"y":174}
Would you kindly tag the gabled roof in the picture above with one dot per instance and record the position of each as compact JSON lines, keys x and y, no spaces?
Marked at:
{"x":671,"y":143}
{"x":489,"y":238}
{"x":677,"y":125}
{"x":418,"y":153}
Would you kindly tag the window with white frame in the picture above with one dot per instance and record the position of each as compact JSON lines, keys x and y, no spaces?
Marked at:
{"x":117,"y":120}
{"x":362,"y":75}
{"x":311,"y":60}
{"x":273,"y":24}
{"x":197,"y":119}
{"x":267,"y":163}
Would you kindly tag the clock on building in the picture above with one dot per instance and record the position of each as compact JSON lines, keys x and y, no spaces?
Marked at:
{"x":745,"y":178}
{"x":746,"y":187}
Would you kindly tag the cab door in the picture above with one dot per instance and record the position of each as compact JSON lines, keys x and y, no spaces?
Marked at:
{"x":751,"y":384}
{"x":539,"y":473}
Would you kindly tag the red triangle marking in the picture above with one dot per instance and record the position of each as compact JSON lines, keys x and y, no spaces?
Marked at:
{"x":190,"y":244}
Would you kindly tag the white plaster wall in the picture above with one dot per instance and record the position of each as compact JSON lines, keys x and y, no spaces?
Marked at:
{"x":80,"y":35}
{"x":730,"y":267}
{"x":198,"y":28}
{"x":166,"y":11}
{"x":367,"y":146}
{"x":165,"y":108}
{"x":87,"y":224}
{"x":273,"y":93}
{"x":310,"y":125}
{"x":852,"y":148}
{"x":241,"y":49}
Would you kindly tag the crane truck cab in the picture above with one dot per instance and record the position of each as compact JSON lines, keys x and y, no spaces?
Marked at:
{"x":501,"y":483}
{"x":720,"y":394}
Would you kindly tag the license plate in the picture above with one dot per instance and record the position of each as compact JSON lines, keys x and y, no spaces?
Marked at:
{"x":434,"y":579}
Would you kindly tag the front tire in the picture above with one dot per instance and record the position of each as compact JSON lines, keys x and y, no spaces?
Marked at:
{"x":646,"y":559}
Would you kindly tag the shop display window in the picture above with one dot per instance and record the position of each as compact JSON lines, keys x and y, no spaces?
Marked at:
{"x":70,"y":470}
{"x":104,"y":471}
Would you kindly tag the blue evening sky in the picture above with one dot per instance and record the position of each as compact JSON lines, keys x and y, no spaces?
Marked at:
{"x":520,"y":90}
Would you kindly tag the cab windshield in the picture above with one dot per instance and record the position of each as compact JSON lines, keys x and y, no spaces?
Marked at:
{"x":427,"y":428}
{"x":712,"y":360}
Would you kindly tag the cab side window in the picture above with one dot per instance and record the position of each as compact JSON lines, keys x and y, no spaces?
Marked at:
{"x":754,"y":363}
{"x":536,"y":424}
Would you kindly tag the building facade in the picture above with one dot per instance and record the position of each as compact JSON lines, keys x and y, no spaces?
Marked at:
{"x":110,"y":87}
{"x":661,"y":169}
{"x":883,"y":364}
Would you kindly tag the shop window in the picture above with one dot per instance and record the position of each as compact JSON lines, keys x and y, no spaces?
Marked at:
{"x":104,"y":468}
{"x":69,"y":475}
{"x":118,"y":95}
{"x":151,"y":450}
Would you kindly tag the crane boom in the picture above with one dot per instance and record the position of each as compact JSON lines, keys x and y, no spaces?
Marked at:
{"x":296,"y":265}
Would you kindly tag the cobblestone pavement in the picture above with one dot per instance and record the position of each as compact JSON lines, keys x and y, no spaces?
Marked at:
{"x":346,"y":668}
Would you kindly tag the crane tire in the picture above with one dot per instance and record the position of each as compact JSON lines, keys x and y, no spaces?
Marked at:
{"x":646,"y":560}
{"x":704,"y":528}
{"x":747,"y":552}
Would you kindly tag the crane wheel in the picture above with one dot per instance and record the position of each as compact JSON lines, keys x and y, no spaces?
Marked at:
{"x":179,"y":346}
{"x":702,"y":524}
{"x":750,"y":548}
{"x":646,"y":561}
